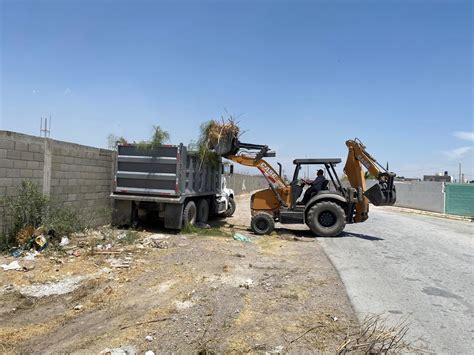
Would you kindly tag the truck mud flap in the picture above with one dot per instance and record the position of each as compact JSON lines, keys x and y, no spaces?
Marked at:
{"x":173,"y":216}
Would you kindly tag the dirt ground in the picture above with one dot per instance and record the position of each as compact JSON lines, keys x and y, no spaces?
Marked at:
{"x":192,"y":293}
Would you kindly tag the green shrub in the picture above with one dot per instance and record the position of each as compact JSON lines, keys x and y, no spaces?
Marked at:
{"x":30,"y":209}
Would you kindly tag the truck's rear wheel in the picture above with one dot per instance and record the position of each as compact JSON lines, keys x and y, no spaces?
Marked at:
{"x":326,"y":219}
{"x":231,"y":208}
{"x":203,"y":211}
{"x":190,"y":213}
{"x":262,"y":223}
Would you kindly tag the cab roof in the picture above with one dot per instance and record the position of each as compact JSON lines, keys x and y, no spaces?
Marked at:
{"x":317,"y":161}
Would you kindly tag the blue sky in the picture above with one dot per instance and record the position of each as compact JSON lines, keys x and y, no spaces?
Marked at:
{"x":302,"y":77}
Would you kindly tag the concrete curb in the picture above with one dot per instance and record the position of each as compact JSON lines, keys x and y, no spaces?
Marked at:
{"x":429,"y":213}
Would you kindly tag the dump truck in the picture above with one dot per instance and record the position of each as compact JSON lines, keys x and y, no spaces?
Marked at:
{"x":168,"y":183}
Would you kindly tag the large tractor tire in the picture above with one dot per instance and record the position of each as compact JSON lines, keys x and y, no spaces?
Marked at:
{"x":231,"y":208}
{"x":203,"y":211}
{"x":262,"y":223}
{"x":189,"y":213}
{"x":326,"y":219}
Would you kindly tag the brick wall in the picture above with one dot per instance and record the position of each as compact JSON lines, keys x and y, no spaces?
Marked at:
{"x":76,"y":176}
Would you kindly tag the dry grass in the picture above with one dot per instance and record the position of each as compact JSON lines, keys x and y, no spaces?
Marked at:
{"x":376,"y":337}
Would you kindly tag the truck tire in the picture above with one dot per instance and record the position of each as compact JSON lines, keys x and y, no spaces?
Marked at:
{"x":231,"y":208}
{"x":262,"y":223}
{"x":326,"y":219}
{"x":189,"y":213}
{"x":203,"y":211}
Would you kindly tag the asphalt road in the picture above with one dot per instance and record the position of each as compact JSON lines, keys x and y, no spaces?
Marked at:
{"x":411,"y":266}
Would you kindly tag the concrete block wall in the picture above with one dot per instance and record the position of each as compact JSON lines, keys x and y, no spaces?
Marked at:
{"x":241,"y":183}
{"x":76,"y":176}
{"x":421,"y":195}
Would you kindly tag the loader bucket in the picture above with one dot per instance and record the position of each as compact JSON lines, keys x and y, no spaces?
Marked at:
{"x":382,"y":194}
{"x":226,"y":145}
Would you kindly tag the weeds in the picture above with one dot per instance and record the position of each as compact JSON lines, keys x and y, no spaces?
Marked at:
{"x":158,"y":138}
{"x":29,"y":210}
{"x":376,"y":337}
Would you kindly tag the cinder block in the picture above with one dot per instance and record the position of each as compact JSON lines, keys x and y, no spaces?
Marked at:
{"x":35,"y":148}
{"x":33,"y":164}
{"x":38,"y":156}
{"x":19,"y":164}
{"x":27,"y":155}
{"x":38,"y":173}
{"x":7,"y":144}
{"x":13,"y":173}
{"x":6,"y":181}
{"x":3,"y":153}
{"x":71,"y":197}
{"x":22,"y":146}
{"x":6,"y":163}
{"x":26,"y":173}
{"x":13,"y":154}
{"x":3,"y":172}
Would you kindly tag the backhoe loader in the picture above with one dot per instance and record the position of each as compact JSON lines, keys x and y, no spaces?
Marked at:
{"x":327,"y":211}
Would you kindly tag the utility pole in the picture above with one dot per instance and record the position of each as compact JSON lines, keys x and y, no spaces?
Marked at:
{"x":45,"y":130}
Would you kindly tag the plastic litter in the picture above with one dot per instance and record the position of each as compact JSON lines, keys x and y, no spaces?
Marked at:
{"x":124,"y":350}
{"x":149,"y":338}
{"x":16,"y":253}
{"x":14,"y":265}
{"x":64,"y":241}
{"x":241,"y":237}
{"x":149,"y":352}
{"x":30,"y":256}
{"x":41,"y":242}
{"x":247,"y":283}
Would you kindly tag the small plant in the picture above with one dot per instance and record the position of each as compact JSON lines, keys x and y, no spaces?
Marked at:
{"x":158,"y":138}
{"x":30,"y":213}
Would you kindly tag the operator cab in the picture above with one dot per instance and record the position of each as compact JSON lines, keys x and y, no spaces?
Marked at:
{"x":297,"y":186}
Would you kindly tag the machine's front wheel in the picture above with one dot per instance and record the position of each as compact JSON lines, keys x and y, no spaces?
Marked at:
{"x":326,"y":219}
{"x":262,"y":223}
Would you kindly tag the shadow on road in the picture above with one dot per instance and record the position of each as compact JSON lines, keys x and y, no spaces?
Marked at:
{"x":357,"y":235}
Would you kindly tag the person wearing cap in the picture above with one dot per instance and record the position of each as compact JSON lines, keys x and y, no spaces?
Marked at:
{"x":315,"y":186}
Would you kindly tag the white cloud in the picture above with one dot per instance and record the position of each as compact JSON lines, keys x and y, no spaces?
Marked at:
{"x":468,"y":136}
{"x":458,"y":152}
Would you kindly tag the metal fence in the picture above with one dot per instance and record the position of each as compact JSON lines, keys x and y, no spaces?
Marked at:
{"x":460,"y":199}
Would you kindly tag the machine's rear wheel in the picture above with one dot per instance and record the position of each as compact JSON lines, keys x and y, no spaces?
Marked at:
{"x":262,"y":223}
{"x":203,"y":211}
{"x":231,"y":208}
{"x":326,"y":219}
{"x":190,"y":213}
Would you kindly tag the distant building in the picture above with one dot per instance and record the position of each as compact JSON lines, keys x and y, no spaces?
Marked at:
{"x":403,"y":178}
{"x":438,"y":177}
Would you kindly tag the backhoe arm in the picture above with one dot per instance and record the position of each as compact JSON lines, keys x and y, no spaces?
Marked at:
{"x":381,"y":194}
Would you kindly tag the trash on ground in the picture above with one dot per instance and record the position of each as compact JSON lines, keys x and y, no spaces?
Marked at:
{"x":41,"y":242}
{"x":149,"y":352}
{"x":161,"y":244}
{"x":183,"y":305}
{"x":64,"y":241}
{"x":78,"y":307}
{"x":120,"y":263}
{"x":76,"y":253}
{"x":16,"y":253}
{"x":247,"y":283}
{"x":124,"y":350}
{"x":149,"y":338}
{"x":14,"y":265}
{"x":30,"y":256}
{"x":121,"y":235}
{"x":241,"y":237}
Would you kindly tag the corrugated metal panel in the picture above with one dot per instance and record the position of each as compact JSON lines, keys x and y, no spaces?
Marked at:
{"x":460,"y":199}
